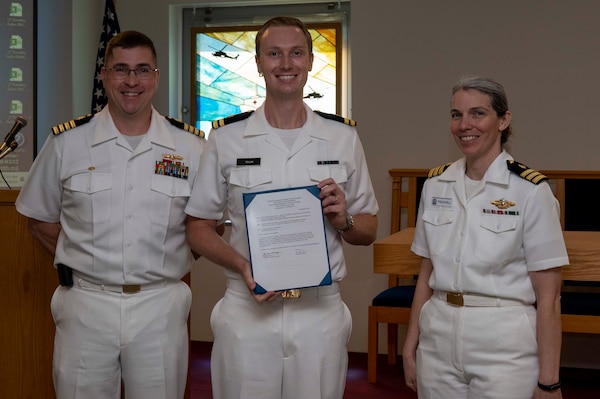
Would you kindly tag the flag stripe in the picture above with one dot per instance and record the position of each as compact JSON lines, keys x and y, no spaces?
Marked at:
{"x":110,"y":27}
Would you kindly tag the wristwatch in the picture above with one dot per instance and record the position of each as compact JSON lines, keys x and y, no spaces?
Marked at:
{"x":551,"y":387}
{"x":349,"y":224}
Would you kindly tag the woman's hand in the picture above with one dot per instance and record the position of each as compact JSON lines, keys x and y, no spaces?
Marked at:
{"x":409,"y":361}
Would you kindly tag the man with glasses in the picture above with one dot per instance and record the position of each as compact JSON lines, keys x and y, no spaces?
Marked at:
{"x":106,"y":195}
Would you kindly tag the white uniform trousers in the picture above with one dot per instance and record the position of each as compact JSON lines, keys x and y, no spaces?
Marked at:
{"x":103,"y":337}
{"x":476,"y":352}
{"x":288,"y":348}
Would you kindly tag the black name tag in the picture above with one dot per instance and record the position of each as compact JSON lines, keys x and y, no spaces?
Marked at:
{"x":328,"y":162}
{"x":248,"y":161}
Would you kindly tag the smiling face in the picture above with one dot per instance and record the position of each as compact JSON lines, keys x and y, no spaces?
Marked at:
{"x":285,"y":60}
{"x":476,"y":126}
{"x":130,"y":97}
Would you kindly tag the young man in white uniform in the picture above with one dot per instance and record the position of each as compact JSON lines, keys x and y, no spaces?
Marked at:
{"x":106,"y":195}
{"x":271,"y":346}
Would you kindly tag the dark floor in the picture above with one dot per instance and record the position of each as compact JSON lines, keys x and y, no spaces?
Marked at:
{"x":577,"y":383}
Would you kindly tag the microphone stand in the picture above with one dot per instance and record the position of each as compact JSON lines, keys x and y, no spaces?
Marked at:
{"x":4,"y":153}
{"x":9,"y":149}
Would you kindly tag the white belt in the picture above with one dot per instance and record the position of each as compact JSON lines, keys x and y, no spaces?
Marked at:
{"x":474,"y":300}
{"x":123,"y":289}
{"x":313,"y":292}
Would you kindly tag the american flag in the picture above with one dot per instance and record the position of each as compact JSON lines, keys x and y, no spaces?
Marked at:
{"x":110,"y":27}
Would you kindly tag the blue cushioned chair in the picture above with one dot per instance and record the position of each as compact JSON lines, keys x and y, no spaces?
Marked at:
{"x":392,"y":306}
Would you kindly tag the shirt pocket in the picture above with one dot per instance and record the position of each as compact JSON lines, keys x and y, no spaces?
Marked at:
{"x":89,"y":194}
{"x":438,"y":218}
{"x":438,"y":226}
{"x":250,"y":177}
{"x":498,"y":240}
{"x":169,"y":198}
{"x":499,"y":224}
{"x":246,"y":179}
{"x":337,"y":172}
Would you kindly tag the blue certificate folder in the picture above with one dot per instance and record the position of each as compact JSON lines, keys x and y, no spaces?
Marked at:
{"x":286,"y":239}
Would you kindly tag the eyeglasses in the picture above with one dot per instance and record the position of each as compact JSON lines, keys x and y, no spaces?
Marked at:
{"x":141,"y":72}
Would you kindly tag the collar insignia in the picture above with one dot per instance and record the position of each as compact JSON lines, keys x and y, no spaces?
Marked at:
{"x":502,"y":203}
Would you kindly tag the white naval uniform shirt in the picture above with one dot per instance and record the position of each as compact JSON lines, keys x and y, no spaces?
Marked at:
{"x":478,"y":248}
{"x":122,"y":222}
{"x":324,"y":148}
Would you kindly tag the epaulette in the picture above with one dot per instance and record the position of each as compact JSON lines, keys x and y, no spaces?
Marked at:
{"x":526,"y":173}
{"x":336,"y":118}
{"x":184,"y":126}
{"x":63,"y":127}
{"x":438,"y":171}
{"x":230,"y":119}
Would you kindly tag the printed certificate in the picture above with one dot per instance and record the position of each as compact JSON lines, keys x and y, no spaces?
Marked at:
{"x":286,"y":236}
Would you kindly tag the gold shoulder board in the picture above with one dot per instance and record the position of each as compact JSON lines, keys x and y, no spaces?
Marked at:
{"x":63,"y":127}
{"x":336,"y":118}
{"x":231,"y":119}
{"x":525,"y":172}
{"x":184,"y":126}
{"x":438,"y":171}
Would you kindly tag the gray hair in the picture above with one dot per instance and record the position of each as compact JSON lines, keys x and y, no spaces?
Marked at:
{"x":496,"y":93}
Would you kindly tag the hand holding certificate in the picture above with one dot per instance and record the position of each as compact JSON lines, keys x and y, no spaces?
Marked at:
{"x":286,"y":236}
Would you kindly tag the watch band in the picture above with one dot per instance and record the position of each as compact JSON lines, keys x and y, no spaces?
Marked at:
{"x":551,"y":387}
{"x":349,"y":224}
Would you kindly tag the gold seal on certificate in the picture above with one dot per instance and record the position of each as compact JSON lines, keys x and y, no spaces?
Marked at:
{"x":286,"y":237}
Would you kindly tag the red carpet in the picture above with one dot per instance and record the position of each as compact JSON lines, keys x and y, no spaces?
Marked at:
{"x":577,"y":383}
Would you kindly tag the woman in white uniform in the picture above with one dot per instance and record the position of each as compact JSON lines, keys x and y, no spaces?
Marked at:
{"x":485,"y":319}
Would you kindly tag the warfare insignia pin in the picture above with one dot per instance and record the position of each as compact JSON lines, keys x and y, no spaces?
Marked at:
{"x":174,"y":157}
{"x":502,"y":203}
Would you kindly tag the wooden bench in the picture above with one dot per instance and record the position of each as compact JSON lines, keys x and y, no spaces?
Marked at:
{"x":392,"y":256}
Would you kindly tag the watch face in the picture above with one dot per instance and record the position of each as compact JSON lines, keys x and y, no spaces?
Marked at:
{"x":349,"y":222}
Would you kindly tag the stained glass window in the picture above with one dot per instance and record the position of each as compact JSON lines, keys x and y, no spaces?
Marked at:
{"x":225,"y":78}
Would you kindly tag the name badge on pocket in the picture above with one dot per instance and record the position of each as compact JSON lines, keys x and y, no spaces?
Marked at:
{"x":248,"y":162}
{"x":328,"y":162}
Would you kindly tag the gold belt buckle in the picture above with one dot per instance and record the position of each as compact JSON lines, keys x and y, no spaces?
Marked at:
{"x":455,"y":298}
{"x":131,"y":288}
{"x":291,"y":294}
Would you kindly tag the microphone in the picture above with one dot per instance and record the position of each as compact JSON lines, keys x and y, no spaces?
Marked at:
{"x":20,"y":123}
{"x":9,"y":149}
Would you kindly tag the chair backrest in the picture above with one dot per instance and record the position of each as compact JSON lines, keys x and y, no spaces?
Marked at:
{"x":406,"y":193}
{"x":574,"y":191}
{"x":580,"y":198}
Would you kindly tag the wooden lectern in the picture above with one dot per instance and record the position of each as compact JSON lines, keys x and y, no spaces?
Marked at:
{"x":27,"y":283}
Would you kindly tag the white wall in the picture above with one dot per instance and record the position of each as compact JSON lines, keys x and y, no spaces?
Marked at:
{"x":405,"y":57}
